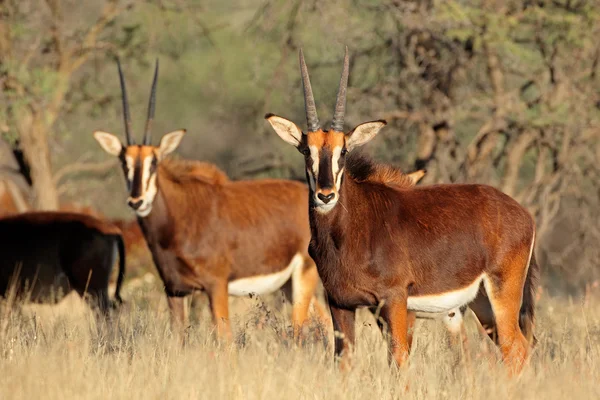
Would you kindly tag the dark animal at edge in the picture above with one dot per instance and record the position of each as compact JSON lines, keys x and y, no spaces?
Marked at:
{"x":46,"y":255}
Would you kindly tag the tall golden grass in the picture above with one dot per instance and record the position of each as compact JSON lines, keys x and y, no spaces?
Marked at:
{"x":59,"y":352}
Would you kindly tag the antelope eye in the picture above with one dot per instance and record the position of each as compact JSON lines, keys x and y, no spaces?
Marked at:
{"x":306,"y":151}
{"x":344,"y":151}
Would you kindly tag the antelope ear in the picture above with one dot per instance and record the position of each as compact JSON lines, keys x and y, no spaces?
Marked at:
{"x":416,"y":176}
{"x":286,"y":129}
{"x":109,"y":142}
{"x":363,"y":133}
{"x":170,"y":142}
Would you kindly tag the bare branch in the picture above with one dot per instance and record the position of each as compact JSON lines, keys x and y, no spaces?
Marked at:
{"x":412,"y":116}
{"x":514,"y":158}
{"x":56,"y":29}
{"x":97,"y":168}
{"x":109,"y":13}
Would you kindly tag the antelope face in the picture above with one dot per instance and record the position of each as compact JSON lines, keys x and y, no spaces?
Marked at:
{"x":324,"y":151}
{"x":325,"y":155}
{"x":140,"y":164}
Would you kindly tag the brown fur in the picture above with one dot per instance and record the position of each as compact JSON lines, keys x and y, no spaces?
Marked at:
{"x":44,"y":253}
{"x":388,"y":246}
{"x":132,"y":234}
{"x":363,"y":169}
{"x":205,"y":231}
{"x":185,"y":170}
{"x":239,"y":213}
{"x":425,"y":241}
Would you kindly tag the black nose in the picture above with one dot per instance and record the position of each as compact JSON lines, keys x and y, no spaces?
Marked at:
{"x":326,"y":198}
{"x":135,"y":204}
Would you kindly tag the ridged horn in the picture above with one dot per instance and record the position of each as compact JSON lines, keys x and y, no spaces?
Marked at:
{"x":151,"y":106}
{"x":126,"y":115}
{"x":337,"y":124}
{"x":309,"y":100}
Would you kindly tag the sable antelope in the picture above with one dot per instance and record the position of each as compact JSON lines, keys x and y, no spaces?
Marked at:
{"x":45,"y":253}
{"x":426,"y":249}
{"x":208,"y":233}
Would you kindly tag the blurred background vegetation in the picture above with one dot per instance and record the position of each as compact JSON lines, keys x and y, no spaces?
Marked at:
{"x":499,"y":92}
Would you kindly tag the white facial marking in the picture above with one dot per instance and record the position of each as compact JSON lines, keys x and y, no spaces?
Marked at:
{"x":323,"y":208}
{"x":337,"y":153}
{"x":311,"y":180}
{"x":314,"y":173}
{"x":130,"y":170}
{"x":263,"y":284}
{"x":146,"y":164}
{"x":338,"y":181}
{"x":444,"y":302}
{"x":314,"y":155}
{"x":335,"y":167}
{"x":144,"y":210}
{"x":149,"y":188}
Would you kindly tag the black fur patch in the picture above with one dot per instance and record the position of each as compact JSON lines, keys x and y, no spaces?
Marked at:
{"x":360,"y":166}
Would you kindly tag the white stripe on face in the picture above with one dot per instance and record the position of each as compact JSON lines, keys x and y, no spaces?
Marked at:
{"x":146,"y":174}
{"x":311,"y":180}
{"x":314,"y":155}
{"x":130,"y":168}
{"x":338,"y":180}
{"x":148,"y":189}
{"x":335,"y":166}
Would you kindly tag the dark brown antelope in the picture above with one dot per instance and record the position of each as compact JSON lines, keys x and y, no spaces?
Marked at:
{"x":208,"y":233}
{"x":46,"y":255}
{"x":427,"y":249}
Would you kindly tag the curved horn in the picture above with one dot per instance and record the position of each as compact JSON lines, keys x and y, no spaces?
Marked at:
{"x":151,"y":106}
{"x":309,"y":100}
{"x":337,"y":124}
{"x":126,"y":115}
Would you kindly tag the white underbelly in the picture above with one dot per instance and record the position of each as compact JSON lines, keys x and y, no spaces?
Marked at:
{"x":263,"y":284}
{"x":444,"y":302}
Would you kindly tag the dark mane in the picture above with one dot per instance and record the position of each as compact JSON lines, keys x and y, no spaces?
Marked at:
{"x":185,"y":170}
{"x":362,"y":168}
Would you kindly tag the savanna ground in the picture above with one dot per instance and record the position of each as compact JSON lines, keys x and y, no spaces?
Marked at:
{"x":58,"y":352}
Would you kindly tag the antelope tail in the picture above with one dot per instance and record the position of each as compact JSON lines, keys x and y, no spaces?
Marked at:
{"x":121,"y":276}
{"x":527,"y":313}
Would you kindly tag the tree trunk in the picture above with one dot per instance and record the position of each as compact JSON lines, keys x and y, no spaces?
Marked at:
{"x":33,"y":135}
{"x":34,"y":142}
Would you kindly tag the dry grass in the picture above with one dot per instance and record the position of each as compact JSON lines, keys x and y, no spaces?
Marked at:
{"x":58,"y":352}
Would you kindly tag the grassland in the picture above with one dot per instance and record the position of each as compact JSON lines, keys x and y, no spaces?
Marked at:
{"x":57,"y":352}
